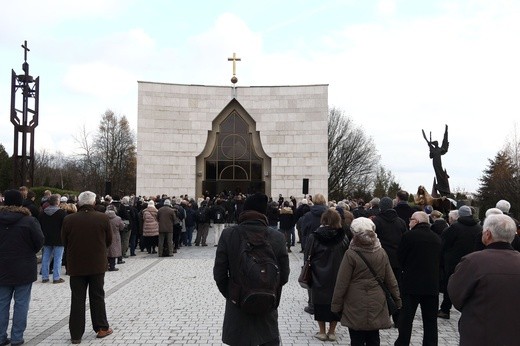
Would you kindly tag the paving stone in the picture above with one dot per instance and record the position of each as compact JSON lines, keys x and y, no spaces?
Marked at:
{"x":174,"y":301}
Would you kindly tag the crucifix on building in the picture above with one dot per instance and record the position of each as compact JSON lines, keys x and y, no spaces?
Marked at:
{"x":234,"y":59}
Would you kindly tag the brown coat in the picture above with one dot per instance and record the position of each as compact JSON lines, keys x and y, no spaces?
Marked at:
{"x":86,"y":236}
{"x":358,"y":295}
{"x":150,"y":224}
{"x":166,"y":217}
{"x":485,"y":288}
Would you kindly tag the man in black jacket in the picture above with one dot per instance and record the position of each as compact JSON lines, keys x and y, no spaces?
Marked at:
{"x":21,"y":238}
{"x":241,"y":328}
{"x":458,"y":240}
{"x":418,"y":254}
{"x":51,"y":219}
{"x":389,"y":229}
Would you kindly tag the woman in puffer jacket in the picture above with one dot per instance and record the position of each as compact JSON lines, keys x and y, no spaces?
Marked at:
{"x":150,"y":228}
{"x":357,"y":295}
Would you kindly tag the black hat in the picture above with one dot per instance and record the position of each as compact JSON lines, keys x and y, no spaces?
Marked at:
{"x":386,"y":203}
{"x":257,"y":202}
{"x":13,"y":197}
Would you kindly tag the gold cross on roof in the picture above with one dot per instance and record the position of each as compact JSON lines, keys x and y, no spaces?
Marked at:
{"x":234,"y":59}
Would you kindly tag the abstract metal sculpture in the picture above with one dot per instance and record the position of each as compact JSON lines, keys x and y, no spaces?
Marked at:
{"x":23,"y":156}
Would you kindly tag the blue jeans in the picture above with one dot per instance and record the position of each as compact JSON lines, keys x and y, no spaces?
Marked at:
{"x":22,"y":297}
{"x":189,"y":235}
{"x":57,"y":253}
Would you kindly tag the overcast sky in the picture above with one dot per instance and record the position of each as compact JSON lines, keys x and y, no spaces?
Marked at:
{"x":395,"y":67}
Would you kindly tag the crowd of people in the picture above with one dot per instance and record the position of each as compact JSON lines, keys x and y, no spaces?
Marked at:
{"x":355,"y":248}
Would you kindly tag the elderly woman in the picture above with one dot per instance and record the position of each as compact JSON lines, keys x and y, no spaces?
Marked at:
{"x":326,"y":245}
{"x":357,"y":295}
{"x":116,"y":226}
{"x":150,"y":228}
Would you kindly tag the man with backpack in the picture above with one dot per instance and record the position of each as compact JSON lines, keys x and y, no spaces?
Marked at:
{"x":202,"y":216}
{"x":251,"y":266}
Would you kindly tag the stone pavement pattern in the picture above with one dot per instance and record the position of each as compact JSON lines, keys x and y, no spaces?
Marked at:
{"x":174,"y":301}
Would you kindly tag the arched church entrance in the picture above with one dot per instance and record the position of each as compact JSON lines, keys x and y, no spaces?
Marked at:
{"x":233,"y":160}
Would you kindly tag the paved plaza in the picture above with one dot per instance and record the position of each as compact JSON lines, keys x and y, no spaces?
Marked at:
{"x":174,"y":301}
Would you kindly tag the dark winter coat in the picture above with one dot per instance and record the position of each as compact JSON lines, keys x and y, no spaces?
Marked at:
{"x":389,"y":229}
{"x":311,"y":221}
{"x":166,"y":217}
{"x":458,"y":240}
{"x":33,"y":208}
{"x":21,"y":238}
{"x":86,"y":235}
{"x":484,"y":288}
{"x":273,"y":214}
{"x":51,"y":219}
{"x":286,"y":218}
{"x":404,"y":211}
{"x":216,"y":210}
{"x":419,"y":255}
{"x":438,"y":226}
{"x":190,"y":221}
{"x":240,"y":328}
{"x":327,"y":247}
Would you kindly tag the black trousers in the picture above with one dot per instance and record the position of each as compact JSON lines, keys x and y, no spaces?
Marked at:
{"x":364,"y":337}
{"x":429,"y":305}
{"x":96,"y":293}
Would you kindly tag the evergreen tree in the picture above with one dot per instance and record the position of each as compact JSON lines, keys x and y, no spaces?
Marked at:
{"x":6,"y":170}
{"x":499,"y":181}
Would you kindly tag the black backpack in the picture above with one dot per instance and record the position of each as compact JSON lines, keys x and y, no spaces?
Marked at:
{"x":219,"y":215}
{"x":255,"y":286}
{"x":202,"y":215}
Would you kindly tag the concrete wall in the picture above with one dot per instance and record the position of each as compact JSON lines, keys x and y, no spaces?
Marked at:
{"x":174,"y":120}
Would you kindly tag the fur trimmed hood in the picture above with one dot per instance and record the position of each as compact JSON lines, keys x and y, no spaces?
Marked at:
{"x":12,"y":214}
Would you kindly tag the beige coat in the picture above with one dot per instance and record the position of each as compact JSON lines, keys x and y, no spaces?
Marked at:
{"x":358,"y":295}
{"x":150,"y":224}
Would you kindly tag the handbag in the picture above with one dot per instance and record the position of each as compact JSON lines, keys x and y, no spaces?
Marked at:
{"x":305,"y":278}
{"x":390,"y":302}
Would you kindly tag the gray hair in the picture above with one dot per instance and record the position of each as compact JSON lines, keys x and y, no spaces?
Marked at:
{"x":502,"y":227}
{"x":453,"y":215}
{"x":362,"y":225}
{"x":503,"y":205}
{"x":54,"y":199}
{"x":375,"y":202}
{"x":86,"y":198}
{"x":125,"y":200}
{"x":493,"y":211}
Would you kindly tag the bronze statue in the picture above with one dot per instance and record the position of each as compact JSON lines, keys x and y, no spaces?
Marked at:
{"x":440,"y":182}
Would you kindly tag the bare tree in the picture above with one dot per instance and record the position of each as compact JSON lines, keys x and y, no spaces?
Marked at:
{"x":353,"y":158}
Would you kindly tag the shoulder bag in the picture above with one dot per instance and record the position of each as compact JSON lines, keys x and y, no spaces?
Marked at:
{"x":390,"y":302}
{"x":305,"y":278}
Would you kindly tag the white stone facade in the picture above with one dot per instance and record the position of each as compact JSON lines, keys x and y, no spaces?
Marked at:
{"x":173,"y":125}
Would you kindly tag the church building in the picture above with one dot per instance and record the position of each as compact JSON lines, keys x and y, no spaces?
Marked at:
{"x":197,"y":139}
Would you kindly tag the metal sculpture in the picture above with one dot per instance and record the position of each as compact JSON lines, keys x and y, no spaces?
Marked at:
{"x":441,"y":184}
{"x":25,"y":121}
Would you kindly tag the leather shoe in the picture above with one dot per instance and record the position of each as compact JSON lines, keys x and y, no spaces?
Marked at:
{"x":102,"y":333}
{"x":442,"y":314}
{"x":120,"y":262}
{"x":6,"y":342}
{"x":113,"y":269}
{"x":76,"y":341}
{"x":59,"y":281}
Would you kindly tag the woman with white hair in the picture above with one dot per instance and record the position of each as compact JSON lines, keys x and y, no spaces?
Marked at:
{"x":150,"y":227}
{"x":357,"y":295}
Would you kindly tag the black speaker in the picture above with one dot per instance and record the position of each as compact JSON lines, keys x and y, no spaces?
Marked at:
{"x":305,"y":188}
{"x":108,"y":188}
